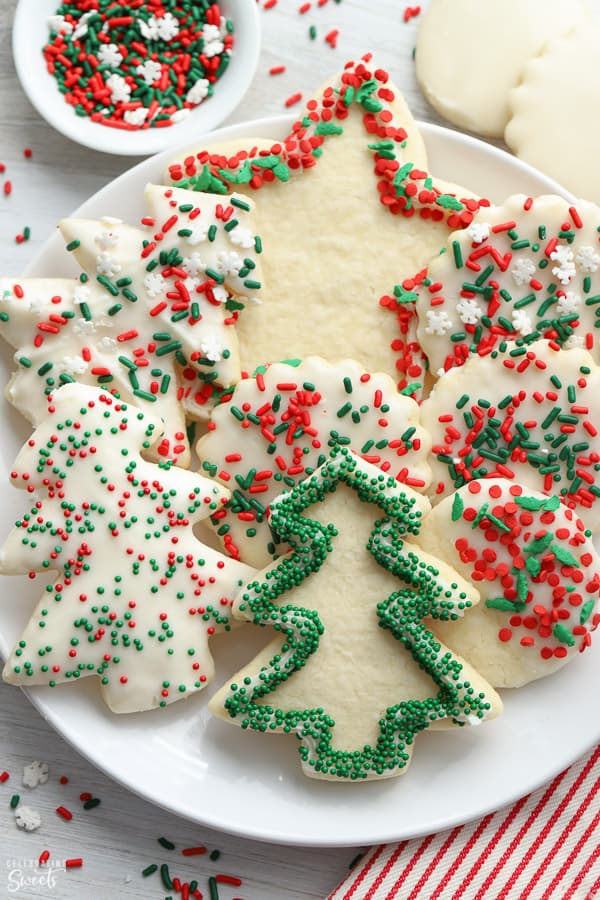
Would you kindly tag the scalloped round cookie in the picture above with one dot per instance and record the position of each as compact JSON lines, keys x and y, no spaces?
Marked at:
{"x":470,"y":54}
{"x":537,"y":572}
{"x":552,"y":124}
{"x":529,"y":414}
{"x":527,"y":268}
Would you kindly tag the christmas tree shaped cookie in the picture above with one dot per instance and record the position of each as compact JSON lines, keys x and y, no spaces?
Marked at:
{"x":353,"y":671}
{"x":135,"y":595}
{"x":152,"y":316}
{"x":346,"y":208}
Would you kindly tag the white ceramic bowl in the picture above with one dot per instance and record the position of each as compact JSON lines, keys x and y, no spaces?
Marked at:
{"x":30,"y":34}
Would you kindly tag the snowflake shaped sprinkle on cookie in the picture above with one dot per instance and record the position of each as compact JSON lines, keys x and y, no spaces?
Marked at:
{"x":136,"y":595}
{"x":280,"y":425}
{"x":152,"y":318}
{"x":527,"y":268}
{"x":536,"y":569}
{"x":526,"y":413}
{"x":35,"y":773}
{"x":356,"y":590}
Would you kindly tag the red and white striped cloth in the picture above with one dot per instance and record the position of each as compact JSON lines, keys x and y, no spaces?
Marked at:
{"x":544,"y":847}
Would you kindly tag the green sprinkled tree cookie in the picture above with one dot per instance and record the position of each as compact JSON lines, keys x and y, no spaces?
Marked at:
{"x":135,"y":595}
{"x":347,"y":209}
{"x":536,"y":569}
{"x":280,"y":425}
{"x":152,"y":317}
{"x":526,"y":269}
{"x":353,"y":672}
{"x":526,"y":413}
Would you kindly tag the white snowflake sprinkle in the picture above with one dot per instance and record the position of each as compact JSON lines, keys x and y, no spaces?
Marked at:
{"x":568,"y":302}
{"x":149,"y":71}
{"x":211,"y":348}
{"x":74,"y":365}
{"x":213,"y":48}
{"x":106,"y":239}
{"x":164,"y":28}
{"x":479,"y":231}
{"x":83,"y":326}
{"x":229,"y":263}
{"x":27,"y":818}
{"x":523,"y":271}
{"x":565,"y":270}
{"x":107,"y":264}
{"x":81,"y":29}
{"x":521,"y":321}
{"x":59,"y":24}
{"x":180,"y":114}
{"x":118,"y":87}
{"x":198,"y":91}
{"x":588,"y":260}
{"x":154,"y":284}
{"x":221,"y":294}
{"x":81,"y":294}
{"x":108,"y":344}
{"x":242,"y":237}
{"x":198,"y":235}
{"x":193,"y":265}
{"x":438,"y":322}
{"x":136,"y":117}
{"x":110,"y":55}
{"x":35,"y":773}
{"x":469,"y":311}
{"x":574,"y":342}
{"x":211,"y":33}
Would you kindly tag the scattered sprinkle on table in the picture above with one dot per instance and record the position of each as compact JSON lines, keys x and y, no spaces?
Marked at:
{"x":144,"y":68}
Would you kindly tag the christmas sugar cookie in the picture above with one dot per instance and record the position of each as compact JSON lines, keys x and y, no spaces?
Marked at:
{"x":470,"y":54}
{"x":135,"y":595}
{"x":280,"y":425}
{"x":529,"y":414}
{"x":527,"y":268}
{"x":352,"y":670}
{"x":151,"y":317}
{"x":549,"y":124}
{"x":536,"y":570}
{"x":347,"y":210}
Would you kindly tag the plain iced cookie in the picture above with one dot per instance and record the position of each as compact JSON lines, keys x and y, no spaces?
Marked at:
{"x":537,"y":572}
{"x":134,"y":596}
{"x":352,"y":670}
{"x":346,"y":209}
{"x":470,"y":54}
{"x":525,"y":269}
{"x":526,"y":413}
{"x":552,"y":123}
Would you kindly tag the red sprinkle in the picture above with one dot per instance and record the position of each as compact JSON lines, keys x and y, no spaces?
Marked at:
{"x":304,"y":8}
{"x":62,"y":811}
{"x":4,"y":777}
{"x":63,"y":779}
{"x":276,"y":70}
{"x":228,"y":879}
{"x":294,"y":98}
{"x":193,"y":851}
{"x":7,"y":188}
{"x":44,"y":857}
{"x":27,"y":152}
{"x":411,"y":12}
{"x":74,"y":863}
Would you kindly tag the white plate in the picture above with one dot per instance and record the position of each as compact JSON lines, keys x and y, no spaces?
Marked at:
{"x":250,"y":784}
{"x":30,"y":34}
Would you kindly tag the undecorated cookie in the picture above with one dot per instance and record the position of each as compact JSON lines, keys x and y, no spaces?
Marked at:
{"x":525,"y":269}
{"x":471,"y":53}
{"x":352,"y":670}
{"x":133,"y":596}
{"x":552,"y":123}
{"x":530,"y":414}
{"x":537,"y":572}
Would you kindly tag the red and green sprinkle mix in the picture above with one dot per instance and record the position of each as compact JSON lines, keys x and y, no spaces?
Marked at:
{"x":131,"y":64}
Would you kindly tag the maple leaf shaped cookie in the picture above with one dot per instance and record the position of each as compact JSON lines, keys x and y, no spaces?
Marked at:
{"x":354,"y":672}
{"x":136,"y":595}
{"x":347,"y":210}
{"x":152,"y":318}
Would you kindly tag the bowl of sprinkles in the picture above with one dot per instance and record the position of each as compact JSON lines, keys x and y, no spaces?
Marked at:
{"x":134,"y":77}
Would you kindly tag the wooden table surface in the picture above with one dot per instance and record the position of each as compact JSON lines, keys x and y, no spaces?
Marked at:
{"x":119,"y":838}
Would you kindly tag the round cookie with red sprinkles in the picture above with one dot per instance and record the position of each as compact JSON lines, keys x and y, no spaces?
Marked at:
{"x":537,"y":571}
